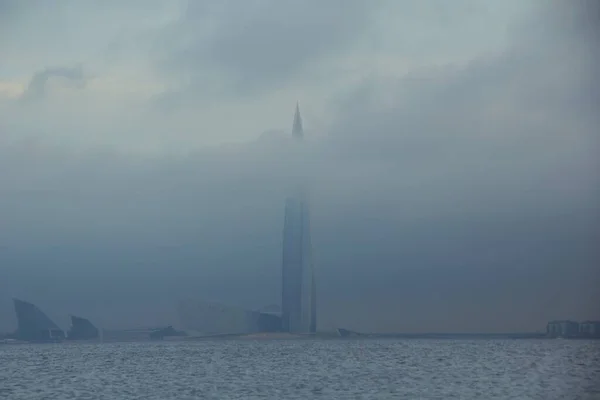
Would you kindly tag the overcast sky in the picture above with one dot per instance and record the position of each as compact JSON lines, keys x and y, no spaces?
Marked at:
{"x":451,"y":149}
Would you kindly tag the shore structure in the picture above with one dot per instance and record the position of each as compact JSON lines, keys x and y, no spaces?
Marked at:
{"x":34,"y":325}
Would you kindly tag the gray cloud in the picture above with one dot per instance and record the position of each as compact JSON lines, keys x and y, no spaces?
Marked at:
{"x":71,"y":76}
{"x":9,"y":8}
{"x":501,"y":109}
{"x":261,"y":45}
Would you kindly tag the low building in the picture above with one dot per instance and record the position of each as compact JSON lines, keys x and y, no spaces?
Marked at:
{"x":211,"y":318}
{"x":589,"y":329}
{"x":562,"y":328}
{"x":82,"y":329}
{"x":169,"y":331}
{"x":347,"y":333}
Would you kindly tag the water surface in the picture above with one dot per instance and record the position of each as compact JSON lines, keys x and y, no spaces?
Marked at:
{"x":286,"y":369}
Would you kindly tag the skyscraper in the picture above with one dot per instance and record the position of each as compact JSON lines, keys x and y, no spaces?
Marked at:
{"x":298,"y":301}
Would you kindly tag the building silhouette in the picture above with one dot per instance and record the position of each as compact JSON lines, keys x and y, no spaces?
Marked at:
{"x":298,"y":300}
{"x":33,"y":324}
{"x":212,"y":318}
{"x":589,"y":329}
{"x":564,"y":328}
{"x":82,"y":328}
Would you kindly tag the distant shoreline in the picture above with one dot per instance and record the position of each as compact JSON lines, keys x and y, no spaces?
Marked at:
{"x":323,"y":336}
{"x":355,"y":335}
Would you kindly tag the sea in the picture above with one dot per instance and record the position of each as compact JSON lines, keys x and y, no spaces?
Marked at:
{"x":303,"y":369}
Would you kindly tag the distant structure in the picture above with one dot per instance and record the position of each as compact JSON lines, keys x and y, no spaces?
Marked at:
{"x":82,"y":329}
{"x":347,"y":333}
{"x":169,"y":331}
{"x":297,"y":130}
{"x":573,"y":329}
{"x":589,"y":329}
{"x":298,"y":299}
{"x":34,"y":325}
{"x":210,"y":318}
{"x":562,"y":328}
{"x":137,"y":334}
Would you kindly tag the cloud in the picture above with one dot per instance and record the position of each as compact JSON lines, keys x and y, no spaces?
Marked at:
{"x":261,"y":45}
{"x":530,"y":103}
{"x":177,"y":52}
{"x":9,"y":8}
{"x":68,"y":76}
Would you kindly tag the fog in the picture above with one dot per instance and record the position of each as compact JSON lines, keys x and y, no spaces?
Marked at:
{"x":451,"y":154}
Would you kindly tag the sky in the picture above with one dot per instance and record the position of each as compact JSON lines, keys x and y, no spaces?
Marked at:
{"x":451,"y":153}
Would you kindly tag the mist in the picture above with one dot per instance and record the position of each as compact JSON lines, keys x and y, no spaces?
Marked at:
{"x":452,"y":164}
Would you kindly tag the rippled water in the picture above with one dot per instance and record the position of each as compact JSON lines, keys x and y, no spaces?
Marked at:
{"x":368,"y":369}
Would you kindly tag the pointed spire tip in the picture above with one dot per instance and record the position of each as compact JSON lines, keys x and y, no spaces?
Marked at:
{"x":297,"y":130}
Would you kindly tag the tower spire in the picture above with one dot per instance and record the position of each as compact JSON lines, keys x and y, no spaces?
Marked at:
{"x":298,"y":294}
{"x":297,"y":130}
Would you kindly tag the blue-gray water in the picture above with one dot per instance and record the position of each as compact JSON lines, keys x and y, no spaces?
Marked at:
{"x":385,"y":369}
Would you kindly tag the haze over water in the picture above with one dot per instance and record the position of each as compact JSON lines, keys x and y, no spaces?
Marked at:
{"x":452,"y":156}
{"x":451,"y":149}
{"x":370,"y":369}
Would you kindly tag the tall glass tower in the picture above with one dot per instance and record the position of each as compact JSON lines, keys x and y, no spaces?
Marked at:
{"x":298,"y":278}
